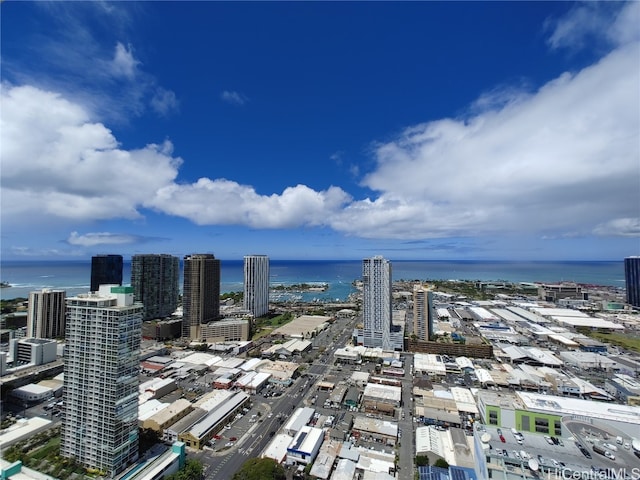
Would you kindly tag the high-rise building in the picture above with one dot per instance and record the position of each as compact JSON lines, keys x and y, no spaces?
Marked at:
{"x":256,"y":284}
{"x":101,"y":365}
{"x":105,"y":270}
{"x":154,"y":278}
{"x":632,"y":280}
{"x":201,"y":293}
{"x":376,"y":302}
{"x":422,"y":312}
{"x":46,"y":314}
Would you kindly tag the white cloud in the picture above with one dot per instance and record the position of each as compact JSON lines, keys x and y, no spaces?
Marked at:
{"x":559,"y":161}
{"x":234,"y":98}
{"x":56,"y":163}
{"x":164,"y":102}
{"x":123,"y":63}
{"x":615,"y":22}
{"x":622,"y":227}
{"x":224,"y":202}
{"x":562,"y":159}
{"x":101,"y":238}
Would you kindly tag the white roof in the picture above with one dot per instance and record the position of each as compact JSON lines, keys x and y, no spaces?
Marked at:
{"x":533,"y":353}
{"x":381,"y":427}
{"x":464,"y":362}
{"x":464,"y":400}
{"x":562,"y":339}
{"x":558,"y":312}
{"x":201,"y":358}
{"x":307,"y":439}
{"x":23,"y":428}
{"x":299,"y":419}
{"x":374,"y":461}
{"x":429,"y":362}
{"x":482,"y":313}
{"x":150,"y":408}
{"x":383,"y":392}
{"x":576,"y":406}
{"x":483,"y":375}
{"x":34,"y":388}
{"x":245,"y":379}
{"x":277,"y":449}
{"x":230,"y":363}
{"x":213,"y":399}
{"x":259,"y":379}
{"x":592,"y":322}
{"x":250,"y":364}
{"x":345,"y":470}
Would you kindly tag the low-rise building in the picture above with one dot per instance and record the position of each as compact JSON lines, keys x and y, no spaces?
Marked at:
{"x":369,"y":428}
{"x":305,"y":446}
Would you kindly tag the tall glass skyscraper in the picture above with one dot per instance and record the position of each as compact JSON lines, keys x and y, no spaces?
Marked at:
{"x":376,"y":302}
{"x":106,"y":270}
{"x":256,"y":284}
{"x":632,"y":280}
{"x":155,"y":281}
{"x":201,"y":293}
{"x":101,"y":364}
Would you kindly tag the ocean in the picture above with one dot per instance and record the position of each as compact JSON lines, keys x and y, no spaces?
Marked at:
{"x":74,"y":276}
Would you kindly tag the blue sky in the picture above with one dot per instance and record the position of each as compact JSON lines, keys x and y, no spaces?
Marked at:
{"x":328,"y":130}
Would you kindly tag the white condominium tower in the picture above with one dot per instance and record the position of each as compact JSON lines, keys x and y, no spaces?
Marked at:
{"x":155,"y":282}
{"x":101,"y":365}
{"x":376,"y":302}
{"x":256,"y":284}
{"x":46,"y":314}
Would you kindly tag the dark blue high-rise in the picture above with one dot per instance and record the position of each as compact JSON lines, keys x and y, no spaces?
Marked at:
{"x":105,"y":270}
{"x":632,"y":279}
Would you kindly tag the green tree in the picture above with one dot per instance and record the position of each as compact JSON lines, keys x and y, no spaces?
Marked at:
{"x":192,"y":470}
{"x":260,"y":469}
{"x":442,"y":463}
{"x":422,"y":460}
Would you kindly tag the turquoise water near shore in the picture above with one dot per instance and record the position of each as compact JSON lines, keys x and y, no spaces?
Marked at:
{"x":74,"y":276}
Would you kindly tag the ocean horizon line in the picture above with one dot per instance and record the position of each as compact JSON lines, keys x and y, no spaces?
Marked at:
{"x":76,"y":260}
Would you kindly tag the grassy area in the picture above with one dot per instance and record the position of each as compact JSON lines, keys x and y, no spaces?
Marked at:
{"x":622,"y":340}
{"x":51,"y":447}
{"x":265,"y":325}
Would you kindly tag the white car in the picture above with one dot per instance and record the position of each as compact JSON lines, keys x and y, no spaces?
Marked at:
{"x":609,"y":455}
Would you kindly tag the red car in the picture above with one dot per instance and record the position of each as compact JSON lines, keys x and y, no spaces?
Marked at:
{"x":233,"y":439}
{"x":217,"y":437}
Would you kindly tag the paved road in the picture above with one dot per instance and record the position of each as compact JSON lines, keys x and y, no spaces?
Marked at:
{"x":222,"y":465}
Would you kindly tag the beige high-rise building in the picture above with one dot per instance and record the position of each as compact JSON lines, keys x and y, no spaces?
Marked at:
{"x":46,"y":314}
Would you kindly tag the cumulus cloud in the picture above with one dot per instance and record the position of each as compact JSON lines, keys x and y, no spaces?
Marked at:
{"x":224,"y":202}
{"x":57,"y":163}
{"x":234,"y":98}
{"x":562,"y":159}
{"x":557,"y":161}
